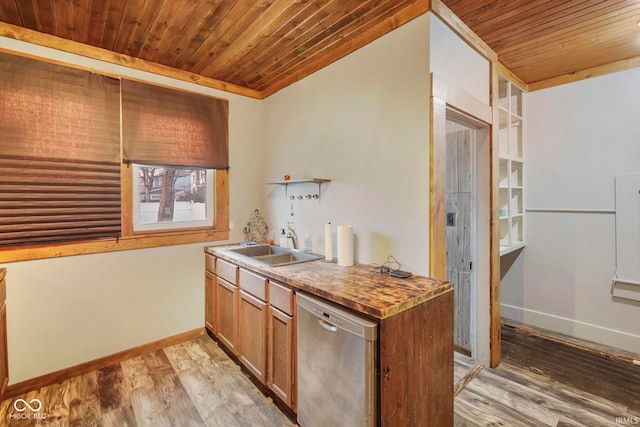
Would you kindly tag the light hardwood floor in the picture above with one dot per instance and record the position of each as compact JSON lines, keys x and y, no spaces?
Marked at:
{"x":196,"y":384}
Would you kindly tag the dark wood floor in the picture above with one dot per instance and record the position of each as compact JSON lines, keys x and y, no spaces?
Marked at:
{"x":196,"y":384}
{"x":610,"y":374}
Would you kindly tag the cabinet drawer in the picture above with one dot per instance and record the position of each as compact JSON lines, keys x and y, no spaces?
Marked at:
{"x":226,"y":270}
{"x":254,"y":284}
{"x":210,"y":263}
{"x":281,"y":298}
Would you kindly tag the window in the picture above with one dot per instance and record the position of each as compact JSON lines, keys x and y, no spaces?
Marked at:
{"x":77,"y":148}
{"x":172,"y":198}
{"x":175,"y":141}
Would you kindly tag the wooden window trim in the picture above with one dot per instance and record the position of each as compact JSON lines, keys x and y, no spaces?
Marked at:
{"x":219,"y":231}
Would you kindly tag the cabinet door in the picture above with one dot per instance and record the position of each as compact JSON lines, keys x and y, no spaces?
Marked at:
{"x":252,"y":334}
{"x":225,"y":308}
{"x":282,"y":356}
{"x":209,"y":301}
{"x":4,"y":359}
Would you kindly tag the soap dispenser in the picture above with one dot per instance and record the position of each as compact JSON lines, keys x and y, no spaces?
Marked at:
{"x":283,"y":238}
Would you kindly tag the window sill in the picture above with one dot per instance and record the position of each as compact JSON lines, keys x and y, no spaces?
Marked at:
{"x":137,"y":241}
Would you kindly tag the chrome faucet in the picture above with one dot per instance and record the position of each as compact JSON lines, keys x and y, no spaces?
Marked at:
{"x":291,"y":234}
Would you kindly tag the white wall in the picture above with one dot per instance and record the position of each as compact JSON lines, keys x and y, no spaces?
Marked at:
{"x":362,"y":122}
{"x":577,"y":138}
{"x":454,"y":60}
{"x":66,"y":311}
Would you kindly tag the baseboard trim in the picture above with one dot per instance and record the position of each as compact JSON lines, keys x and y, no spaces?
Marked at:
{"x":572,"y":328}
{"x":83,"y":368}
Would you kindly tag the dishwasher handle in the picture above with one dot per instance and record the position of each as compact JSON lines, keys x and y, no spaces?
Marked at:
{"x":328,"y":326}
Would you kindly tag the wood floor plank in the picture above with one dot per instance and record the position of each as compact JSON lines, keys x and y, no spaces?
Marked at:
{"x":83,"y":402}
{"x":148,"y":410}
{"x":569,"y":398}
{"x":112,"y":389}
{"x":210,"y":405}
{"x":486,"y":411}
{"x":136,"y":374}
{"x":177,"y":403}
{"x":208,"y":397}
{"x":515,"y":396}
{"x":246,"y":403}
{"x":123,"y":416}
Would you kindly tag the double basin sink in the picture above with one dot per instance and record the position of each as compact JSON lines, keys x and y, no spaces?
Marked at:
{"x":275,"y":255}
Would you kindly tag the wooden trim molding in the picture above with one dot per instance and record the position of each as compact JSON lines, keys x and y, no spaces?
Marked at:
{"x":437,"y":190}
{"x":495,"y":344}
{"x":460,"y":100}
{"x":614,"y":67}
{"x":461,"y":29}
{"x":67,"y":373}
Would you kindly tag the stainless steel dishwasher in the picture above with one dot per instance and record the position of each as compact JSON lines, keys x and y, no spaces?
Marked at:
{"x":337,"y":359}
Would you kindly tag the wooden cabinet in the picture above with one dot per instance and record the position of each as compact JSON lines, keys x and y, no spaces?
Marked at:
{"x":209,"y":301}
{"x":281,"y":353}
{"x":4,"y":355}
{"x":254,"y":319}
{"x":511,"y":159}
{"x":252,"y":337}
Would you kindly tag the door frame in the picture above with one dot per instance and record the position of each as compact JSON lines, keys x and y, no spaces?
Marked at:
{"x":446,"y":96}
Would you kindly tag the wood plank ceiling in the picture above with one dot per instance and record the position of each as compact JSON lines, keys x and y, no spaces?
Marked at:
{"x":265,"y":45}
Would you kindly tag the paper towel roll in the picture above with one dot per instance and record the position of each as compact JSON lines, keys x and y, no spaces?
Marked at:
{"x":345,"y":245}
{"x":328,"y":243}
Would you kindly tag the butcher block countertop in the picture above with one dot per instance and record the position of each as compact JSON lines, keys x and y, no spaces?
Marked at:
{"x":359,"y":287}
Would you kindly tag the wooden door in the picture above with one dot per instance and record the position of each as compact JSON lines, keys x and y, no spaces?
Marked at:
{"x":460,"y":229}
{"x":282,"y":356}
{"x":225,"y":311}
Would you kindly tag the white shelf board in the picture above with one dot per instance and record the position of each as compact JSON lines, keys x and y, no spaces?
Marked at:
{"x":504,"y":250}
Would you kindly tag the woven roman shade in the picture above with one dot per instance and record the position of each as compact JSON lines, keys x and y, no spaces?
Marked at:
{"x":166,"y":127}
{"x":59,"y":153}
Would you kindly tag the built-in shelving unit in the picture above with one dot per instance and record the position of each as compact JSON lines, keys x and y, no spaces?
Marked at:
{"x":511,"y":182}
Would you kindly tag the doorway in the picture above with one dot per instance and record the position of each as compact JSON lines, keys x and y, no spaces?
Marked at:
{"x":468,"y":231}
{"x":461,"y":228}
{"x":450,"y":104}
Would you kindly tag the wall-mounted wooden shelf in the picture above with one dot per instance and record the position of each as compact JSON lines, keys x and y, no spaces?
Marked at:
{"x":287,"y":182}
{"x":299,"y":181}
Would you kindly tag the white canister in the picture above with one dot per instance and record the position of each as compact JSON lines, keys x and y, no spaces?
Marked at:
{"x":328,"y":243}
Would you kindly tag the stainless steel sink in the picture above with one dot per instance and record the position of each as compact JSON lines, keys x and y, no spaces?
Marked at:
{"x":275,"y":255}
